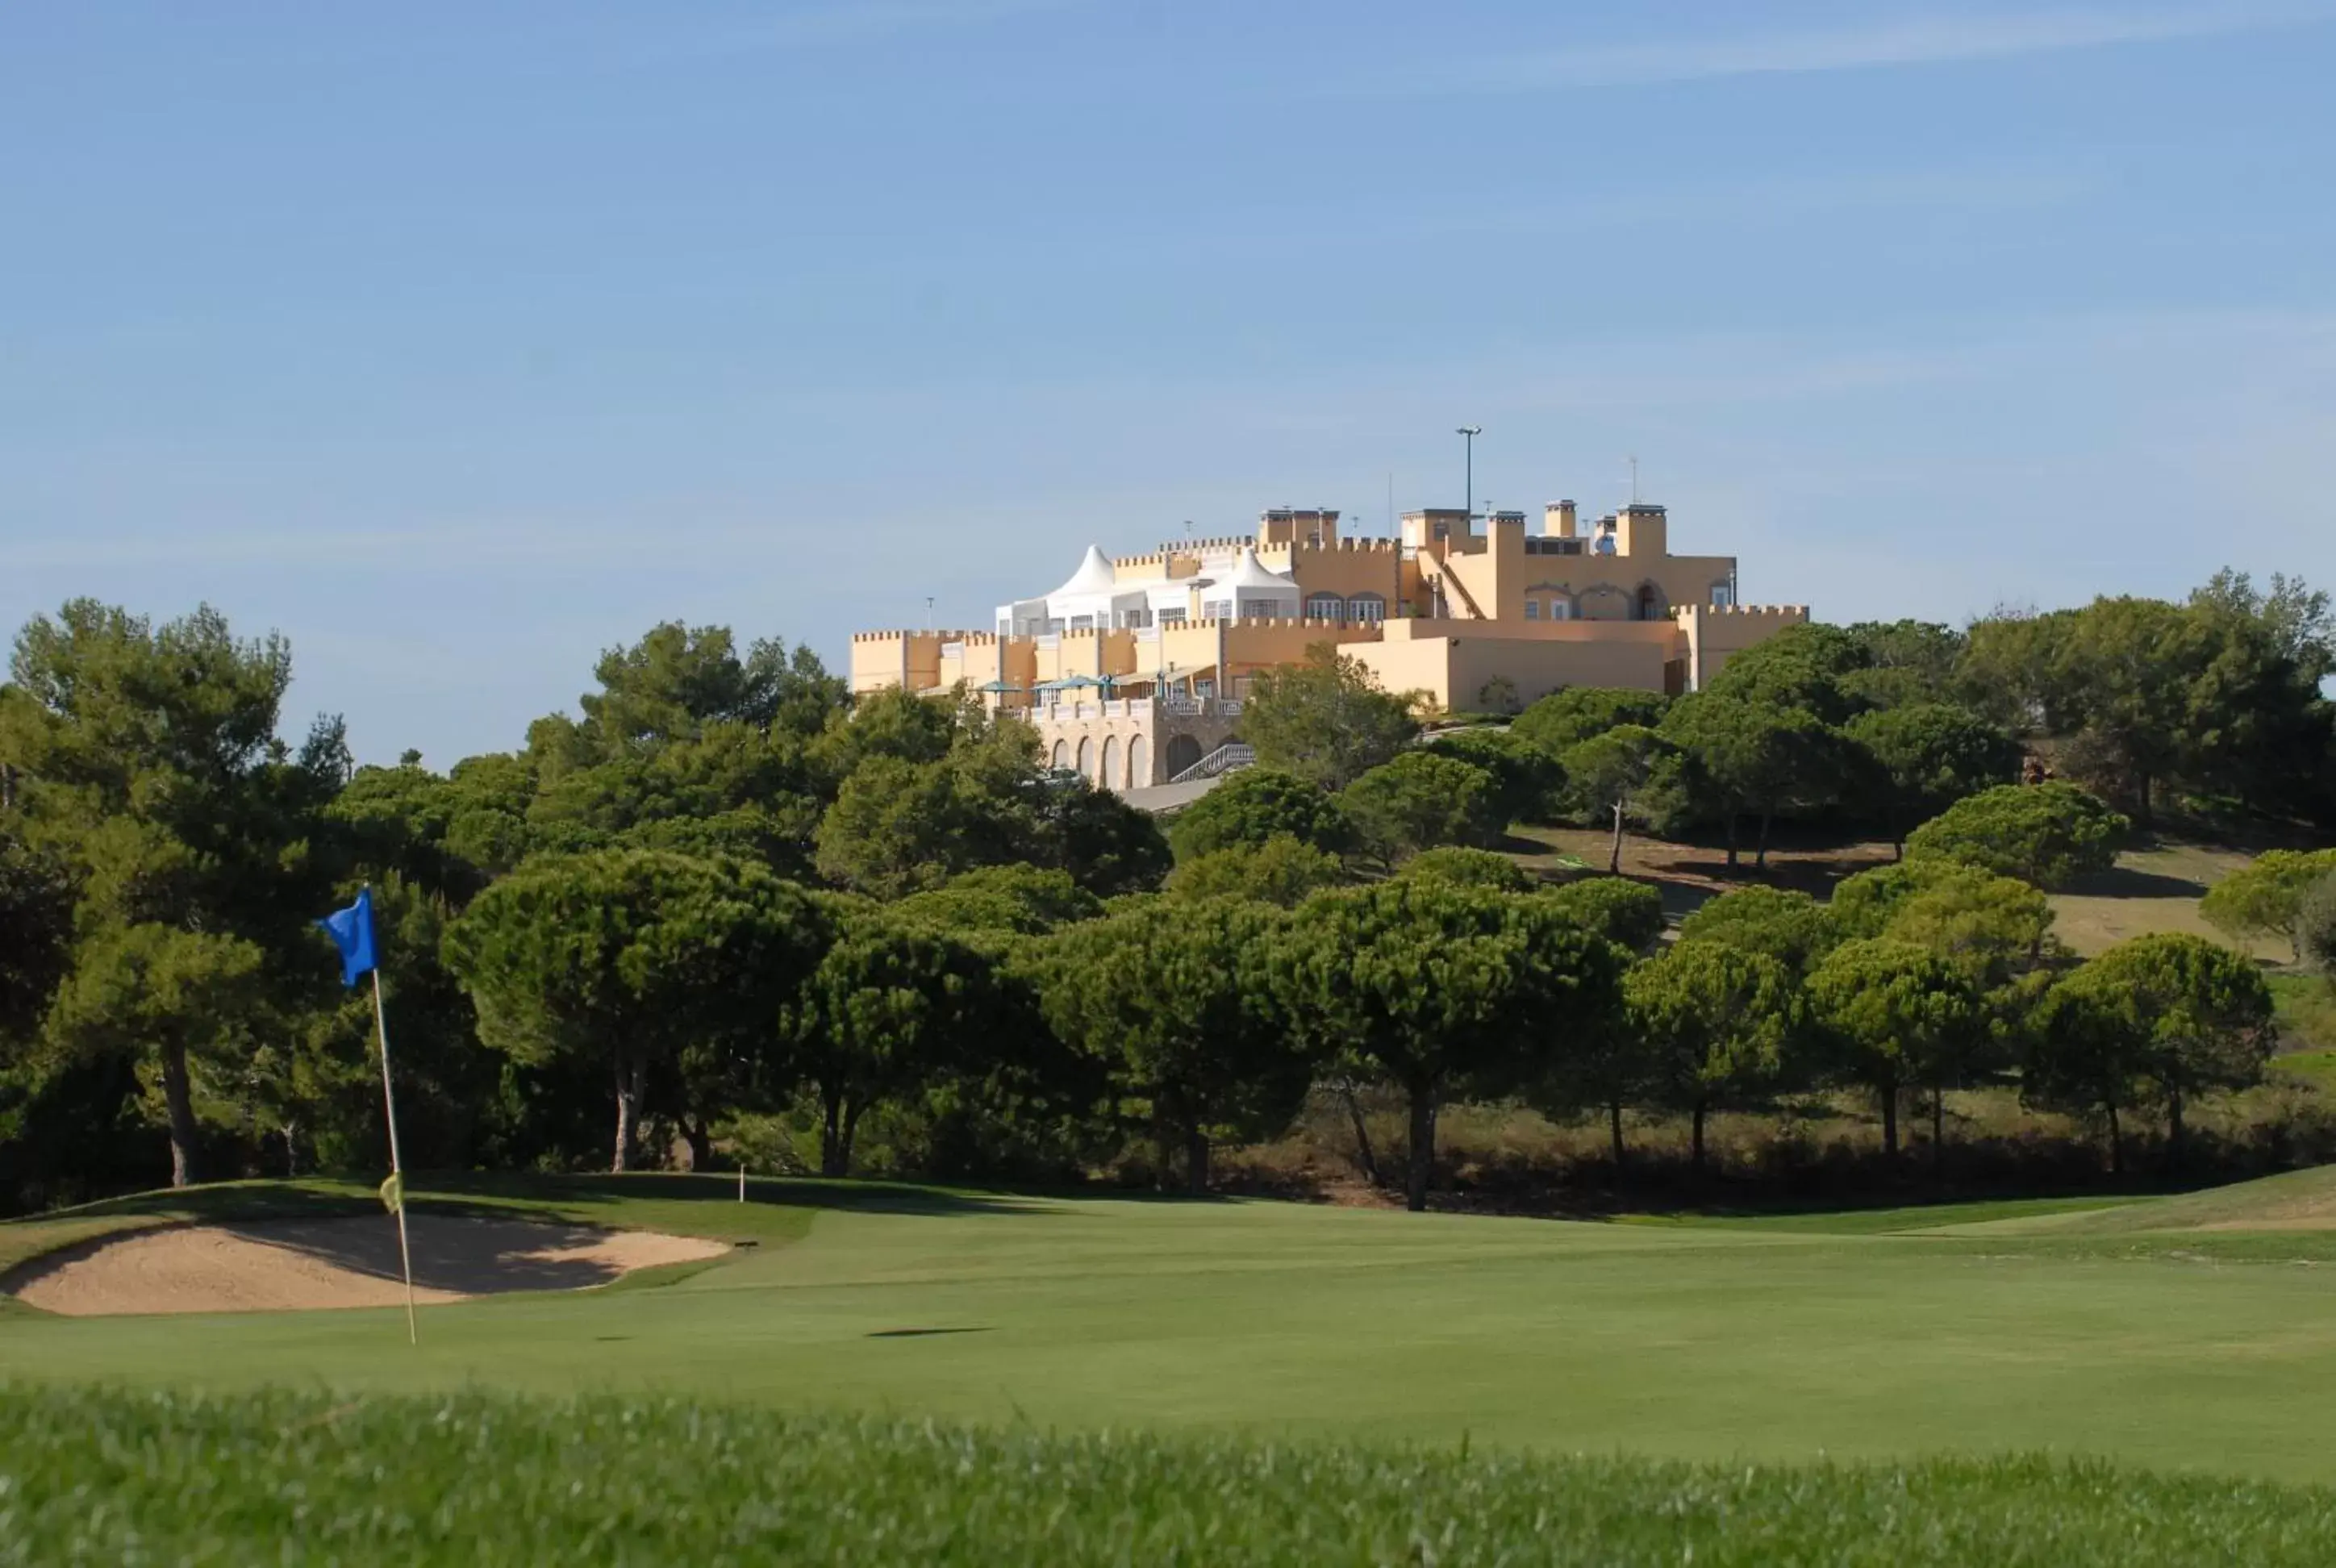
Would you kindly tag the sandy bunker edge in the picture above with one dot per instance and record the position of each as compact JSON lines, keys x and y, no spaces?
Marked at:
{"x":324,"y":1264}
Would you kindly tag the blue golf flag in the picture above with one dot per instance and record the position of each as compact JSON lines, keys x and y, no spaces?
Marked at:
{"x":352,"y":931}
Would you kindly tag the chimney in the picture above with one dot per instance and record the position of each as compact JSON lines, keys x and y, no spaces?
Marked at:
{"x":1557,"y":520}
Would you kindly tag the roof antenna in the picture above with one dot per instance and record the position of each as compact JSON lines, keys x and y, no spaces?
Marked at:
{"x":1634,"y":479}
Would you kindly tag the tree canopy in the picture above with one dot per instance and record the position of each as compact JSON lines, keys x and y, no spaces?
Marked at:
{"x":2162,"y":1018}
{"x":627,"y":958}
{"x":1254,"y":806}
{"x":2047,"y":834}
{"x":1431,"y":984}
{"x":1565,"y":719}
{"x":2265,"y":898}
{"x":1326,"y":719}
{"x":1928,"y":755}
{"x":1173,"y":999}
{"x":1420,"y":801}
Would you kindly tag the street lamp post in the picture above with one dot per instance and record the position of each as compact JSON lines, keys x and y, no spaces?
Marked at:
{"x":1468,"y":434}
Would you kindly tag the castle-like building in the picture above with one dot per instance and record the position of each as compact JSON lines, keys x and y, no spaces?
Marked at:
{"x":1133,"y":670}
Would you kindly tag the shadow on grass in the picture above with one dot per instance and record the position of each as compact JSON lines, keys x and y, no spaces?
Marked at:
{"x":2127,"y":883}
{"x":924,"y":1333}
{"x":680,"y":1187}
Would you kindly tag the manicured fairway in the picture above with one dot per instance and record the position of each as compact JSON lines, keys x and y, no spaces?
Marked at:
{"x":2211,"y":1351}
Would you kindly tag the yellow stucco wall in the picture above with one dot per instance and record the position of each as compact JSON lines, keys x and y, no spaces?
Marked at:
{"x":1487,"y":580}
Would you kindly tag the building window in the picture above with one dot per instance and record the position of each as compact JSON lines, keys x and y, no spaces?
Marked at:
{"x":1217,"y":610}
{"x":1327,"y":607}
{"x":1082,"y":623}
{"x":1532,"y":610}
{"x":1559,"y":609}
{"x":1172,"y":618}
{"x":1723,"y":594}
{"x":1367,"y":609}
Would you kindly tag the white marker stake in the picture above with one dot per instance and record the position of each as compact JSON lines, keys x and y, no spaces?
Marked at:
{"x":742,"y":1182}
{"x":396,"y":1167}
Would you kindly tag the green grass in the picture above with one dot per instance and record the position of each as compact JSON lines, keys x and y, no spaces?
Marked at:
{"x":1891,"y":1222}
{"x":2307,"y":1013}
{"x":1864,"y":1336}
{"x":110,"y":1477}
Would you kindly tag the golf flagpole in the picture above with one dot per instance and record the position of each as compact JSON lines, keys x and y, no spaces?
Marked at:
{"x":396,"y":1182}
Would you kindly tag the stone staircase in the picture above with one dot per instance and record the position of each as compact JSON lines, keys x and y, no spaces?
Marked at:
{"x":1225,"y":759}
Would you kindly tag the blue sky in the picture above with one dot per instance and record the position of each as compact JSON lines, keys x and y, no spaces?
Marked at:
{"x":459,"y":342}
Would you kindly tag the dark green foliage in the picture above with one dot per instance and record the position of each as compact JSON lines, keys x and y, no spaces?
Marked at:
{"x":1995,"y":925}
{"x":1429,"y":985}
{"x":2267,"y":897}
{"x":1106,"y":845}
{"x":1892,"y":1013}
{"x":1612,"y":775}
{"x":899,"y":827}
{"x":891,"y":1006}
{"x":1420,"y":801}
{"x":1906,"y":662}
{"x":1527,"y":779}
{"x":2219,"y":696}
{"x":2046,"y":835}
{"x":1926,"y":756}
{"x":487,"y":1481}
{"x":1470,"y":868}
{"x":625,"y":960}
{"x":2315,"y":925}
{"x":1754,"y":757}
{"x":677,"y":681}
{"x":1714,"y":1021}
{"x":1326,"y":720}
{"x":894,"y":724}
{"x":187,"y":1002}
{"x":2160,"y":1020}
{"x":1565,"y":719}
{"x":1802,"y":666}
{"x":1791,"y":928}
{"x":150,"y":790}
{"x":1256,"y":805}
{"x":1022,"y":898}
{"x":1283,"y":871}
{"x":1171,"y":998}
{"x":1628,"y":914}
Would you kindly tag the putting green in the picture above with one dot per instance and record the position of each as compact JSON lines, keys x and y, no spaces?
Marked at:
{"x":1699,"y":1340}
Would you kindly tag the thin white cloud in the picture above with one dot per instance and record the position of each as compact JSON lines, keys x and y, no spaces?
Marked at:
{"x":1938,"y":39}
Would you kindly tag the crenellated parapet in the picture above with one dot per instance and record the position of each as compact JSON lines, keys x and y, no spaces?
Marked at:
{"x":1348,"y":547}
{"x":1777,"y":613}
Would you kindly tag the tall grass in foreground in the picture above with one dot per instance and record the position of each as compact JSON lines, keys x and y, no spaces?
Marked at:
{"x":117,"y":1477}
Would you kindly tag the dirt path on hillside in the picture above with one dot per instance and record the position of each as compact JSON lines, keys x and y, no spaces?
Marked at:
{"x":302,"y":1265}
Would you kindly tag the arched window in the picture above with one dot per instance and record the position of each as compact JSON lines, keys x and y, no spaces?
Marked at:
{"x":1653,"y":605}
{"x":1327,"y":607}
{"x":1139,"y":762}
{"x":1062,"y":757}
{"x":1367,"y":609}
{"x":1086,"y":757}
{"x":1184,"y":751}
{"x":1111,"y":779}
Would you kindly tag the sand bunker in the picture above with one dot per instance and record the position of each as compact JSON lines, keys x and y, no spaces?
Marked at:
{"x":299,"y":1265}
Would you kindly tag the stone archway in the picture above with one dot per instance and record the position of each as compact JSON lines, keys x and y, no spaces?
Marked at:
{"x":1139,"y":761}
{"x":1087,"y":758}
{"x":1184,"y":751}
{"x":1111,"y":779}
{"x":1062,"y":757}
